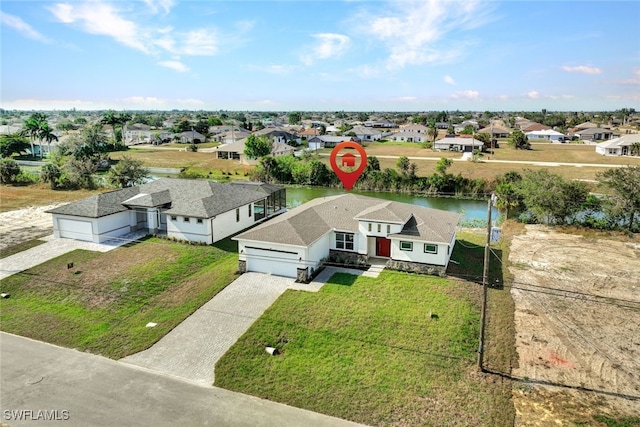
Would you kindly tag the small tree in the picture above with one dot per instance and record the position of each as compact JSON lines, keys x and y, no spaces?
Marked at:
{"x":50,"y":173}
{"x":519,"y":140}
{"x":442,"y":165}
{"x":13,"y":143}
{"x":403,"y":164}
{"x":625,"y":185}
{"x":9,"y":171}
{"x":257,"y":146}
{"x":128,"y":172}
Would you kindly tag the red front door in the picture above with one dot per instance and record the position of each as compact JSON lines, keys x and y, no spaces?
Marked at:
{"x":383,"y":247}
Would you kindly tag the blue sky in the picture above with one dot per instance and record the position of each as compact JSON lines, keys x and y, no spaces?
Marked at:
{"x":291,"y":55}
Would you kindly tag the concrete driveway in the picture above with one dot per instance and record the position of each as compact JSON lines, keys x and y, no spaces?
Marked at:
{"x":191,"y":350}
{"x":81,"y":389}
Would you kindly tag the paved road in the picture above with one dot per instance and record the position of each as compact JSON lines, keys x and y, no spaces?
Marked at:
{"x":96,"y":391}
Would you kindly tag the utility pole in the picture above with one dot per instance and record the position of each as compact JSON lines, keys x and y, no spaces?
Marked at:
{"x":485,"y":285}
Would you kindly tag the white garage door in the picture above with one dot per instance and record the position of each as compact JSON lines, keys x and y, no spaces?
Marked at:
{"x":75,"y":229}
{"x":271,"y":262}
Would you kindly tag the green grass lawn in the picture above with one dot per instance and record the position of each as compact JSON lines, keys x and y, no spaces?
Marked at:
{"x":103,"y":303}
{"x":368,"y":350}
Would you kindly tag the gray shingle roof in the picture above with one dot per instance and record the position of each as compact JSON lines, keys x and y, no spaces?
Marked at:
{"x":303,"y":225}
{"x":187,"y":197}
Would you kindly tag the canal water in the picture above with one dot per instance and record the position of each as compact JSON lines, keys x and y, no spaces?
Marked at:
{"x":472,"y":210}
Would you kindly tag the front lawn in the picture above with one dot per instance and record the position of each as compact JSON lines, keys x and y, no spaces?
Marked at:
{"x":103,"y":303}
{"x":399,"y":349}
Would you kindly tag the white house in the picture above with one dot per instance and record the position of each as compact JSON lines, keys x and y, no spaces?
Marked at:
{"x":193,"y":210}
{"x":466,"y":145}
{"x":235,"y":151}
{"x":349,"y":227}
{"x":137,"y":133}
{"x":618,"y":146}
{"x":545,"y":135}
{"x":328,"y":141}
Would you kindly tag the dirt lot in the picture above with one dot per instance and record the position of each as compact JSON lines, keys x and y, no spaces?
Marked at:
{"x":577,"y":327}
{"x":26,"y":224}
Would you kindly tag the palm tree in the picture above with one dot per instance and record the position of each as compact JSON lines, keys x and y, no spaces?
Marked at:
{"x":110,"y":118}
{"x":635,"y":149}
{"x":31,"y":129}
{"x":46,"y":133}
{"x":432,"y":133}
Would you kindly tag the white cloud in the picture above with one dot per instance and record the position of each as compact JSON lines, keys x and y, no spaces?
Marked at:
{"x":155,"y":5}
{"x":102,"y":19}
{"x":190,"y":102}
{"x":533,"y":94}
{"x":467,"y":94}
{"x":174,"y":65}
{"x":634,"y":80}
{"x":51,"y":104}
{"x":22,"y":27}
{"x":584,"y":69}
{"x":98,"y":18}
{"x":449,"y":80}
{"x":405,"y":98}
{"x":413,"y":31}
{"x":280,"y":69}
{"x":143,"y":101}
{"x":329,"y":45}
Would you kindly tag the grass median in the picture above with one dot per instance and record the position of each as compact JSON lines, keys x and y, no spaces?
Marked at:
{"x":399,"y":349}
{"x":103,"y":303}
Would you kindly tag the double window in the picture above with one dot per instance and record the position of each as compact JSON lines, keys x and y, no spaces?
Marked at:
{"x":344,"y":241}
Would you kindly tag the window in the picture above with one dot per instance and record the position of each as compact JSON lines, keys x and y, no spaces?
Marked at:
{"x":430,"y":249}
{"x":249,"y":211}
{"x":199,"y":220}
{"x":186,"y":219}
{"x":174,"y":218}
{"x":406,"y":246}
{"x":238,"y":215}
{"x":379,"y":228}
{"x":369,"y":226}
{"x":344,"y":241}
{"x":388,"y":229}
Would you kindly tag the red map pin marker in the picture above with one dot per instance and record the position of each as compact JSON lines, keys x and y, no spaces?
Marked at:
{"x":348,"y":160}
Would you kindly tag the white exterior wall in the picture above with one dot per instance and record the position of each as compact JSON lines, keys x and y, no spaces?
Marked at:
{"x":112,"y":226}
{"x":318,"y":250}
{"x":418,"y":254}
{"x":224,"y":225}
{"x":192,"y":231}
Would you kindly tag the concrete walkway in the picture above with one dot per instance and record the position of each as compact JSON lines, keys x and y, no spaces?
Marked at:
{"x":54,"y":247}
{"x":191,"y":350}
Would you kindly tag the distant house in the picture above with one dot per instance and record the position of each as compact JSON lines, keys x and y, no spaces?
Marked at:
{"x":279,"y":135}
{"x":409,"y":137}
{"x":462,"y":126}
{"x":369,"y":133}
{"x":353,"y":227}
{"x":618,"y":146}
{"x":545,"y":135}
{"x":496,"y":132}
{"x":235,"y":151}
{"x":137,"y":133}
{"x":190,"y":137}
{"x":227,"y":134}
{"x":414,"y":128}
{"x":328,"y":141}
{"x":594,"y":134}
{"x":465,"y":145}
{"x":193,"y":210}
{"x":532,"y":127}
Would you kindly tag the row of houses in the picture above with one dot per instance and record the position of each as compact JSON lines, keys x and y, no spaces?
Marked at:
{"x":292,"y":243}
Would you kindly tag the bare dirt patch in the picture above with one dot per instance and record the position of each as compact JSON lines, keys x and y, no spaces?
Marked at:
{"x":577,"y":325}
